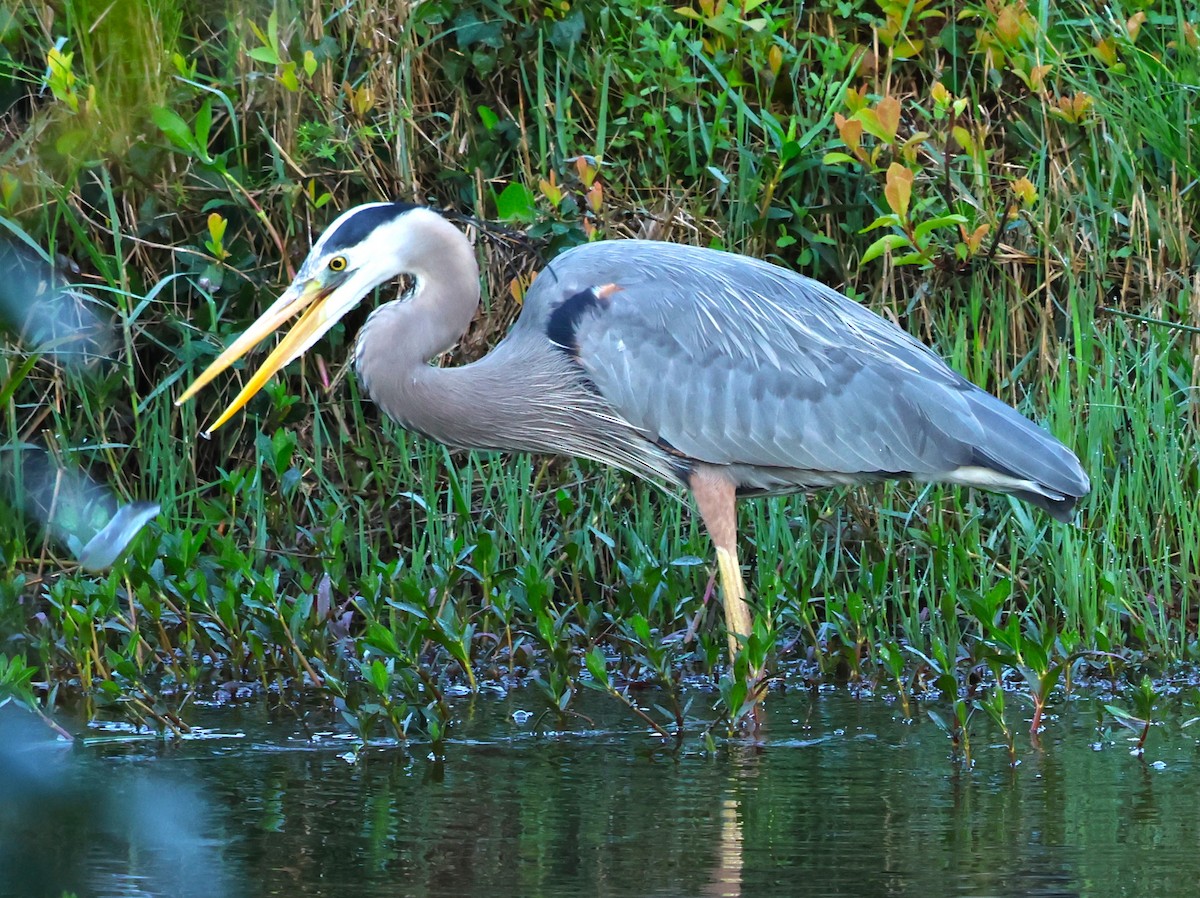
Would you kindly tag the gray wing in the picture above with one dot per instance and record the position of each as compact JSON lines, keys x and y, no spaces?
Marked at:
{"x":734,"y":361}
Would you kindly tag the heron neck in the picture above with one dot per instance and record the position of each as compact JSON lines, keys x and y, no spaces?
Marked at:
{"x":399,"y":339}
{"x":483,"y":405}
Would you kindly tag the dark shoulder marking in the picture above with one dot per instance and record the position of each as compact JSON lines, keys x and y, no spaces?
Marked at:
{"x":563,"y":323}
{"x":354,"y":230}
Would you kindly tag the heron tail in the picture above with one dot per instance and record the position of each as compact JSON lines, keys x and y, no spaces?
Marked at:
{"x":1031,"y":463}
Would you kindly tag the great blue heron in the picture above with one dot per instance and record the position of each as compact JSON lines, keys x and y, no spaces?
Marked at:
{"x":719,"y":372}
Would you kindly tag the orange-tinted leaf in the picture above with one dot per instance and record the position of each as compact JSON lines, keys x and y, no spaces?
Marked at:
{"x":898,"y":190}
{"x":1008,"y":25}
{"x":595,"y":196}
{"x":550,"y":190}
{"x":1037,"y":77}
{"x":850,"y":130}
{"x":586,"y":170}
{"x":1106,"y":52}
{"x":1025,"y":191}
{"x":519,"y":286}
{"x":775,"y":59}
{"x":888,"y":112}
{"x":1133,"y":27}
{"x":1073,"y":109}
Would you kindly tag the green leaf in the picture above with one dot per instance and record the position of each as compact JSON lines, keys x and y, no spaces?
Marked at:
{"x":941,"y":221}
{"x":938,"y":721}
{"x":595,"y":665}
{"x":515,"y":203}
{"x":175,"y":128}
{"x":719,"y":175}
{"x":489,"y":118}
{"x":7,"y":389}
{"x":889,"y":220}
{"x":641,"y":628}
{"x":380,"y":678}
{"x":567,"y":32}
{"x":203,"y":125}
{"x":265,"y":54}
{"x":380,"y":637}
{"x":837,"y":158}
{"x":287,"y":77}
{"x":1122,"y":715}
{"x":884,"y":244}
{"x":273,"y":28}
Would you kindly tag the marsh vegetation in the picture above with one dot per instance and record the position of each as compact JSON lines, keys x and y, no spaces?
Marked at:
{"x":1015,"y":183}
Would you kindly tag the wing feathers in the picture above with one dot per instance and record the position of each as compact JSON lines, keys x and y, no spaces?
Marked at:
{"x":738,"y":362}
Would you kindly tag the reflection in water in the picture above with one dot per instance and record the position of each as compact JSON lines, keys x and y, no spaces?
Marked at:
{"x":852,"y":802}
{"x":726,"y":878}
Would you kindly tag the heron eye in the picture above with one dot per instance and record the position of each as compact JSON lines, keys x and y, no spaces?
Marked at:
{"x":337,"y":263}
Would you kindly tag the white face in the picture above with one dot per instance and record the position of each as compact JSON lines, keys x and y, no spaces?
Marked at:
{"x":362,"y":249}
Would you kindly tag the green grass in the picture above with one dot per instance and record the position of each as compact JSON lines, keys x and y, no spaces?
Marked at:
{"x":382,"y":571}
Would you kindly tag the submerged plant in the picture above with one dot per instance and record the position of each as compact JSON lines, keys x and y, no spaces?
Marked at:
{"x":1141,"y":717}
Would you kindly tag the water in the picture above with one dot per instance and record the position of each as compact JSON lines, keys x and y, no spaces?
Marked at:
{"x":845,"y":798}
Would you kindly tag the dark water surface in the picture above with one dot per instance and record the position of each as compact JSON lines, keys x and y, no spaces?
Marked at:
{"x":845,"y":798}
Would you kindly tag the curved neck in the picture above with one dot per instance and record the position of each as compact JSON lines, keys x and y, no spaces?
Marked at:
{"x":521,"y":396}
{"x":407,"y":333}
{"x":400,"y":337}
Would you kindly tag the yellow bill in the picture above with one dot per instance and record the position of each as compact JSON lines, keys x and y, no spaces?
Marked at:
{"x":308,"y":298}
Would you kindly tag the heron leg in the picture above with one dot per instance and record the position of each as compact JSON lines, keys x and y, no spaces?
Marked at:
{"x":738,"y":620}
{"x":716,"y":498}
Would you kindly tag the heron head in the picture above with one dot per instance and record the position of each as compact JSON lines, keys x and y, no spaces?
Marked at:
{"x":362,"y":249}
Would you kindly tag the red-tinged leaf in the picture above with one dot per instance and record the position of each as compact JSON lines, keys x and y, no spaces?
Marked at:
{"x":595,"y":196}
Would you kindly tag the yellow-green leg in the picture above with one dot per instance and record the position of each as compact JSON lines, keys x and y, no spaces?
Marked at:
{"x":716,"y":498}
{"x":738,"y":620}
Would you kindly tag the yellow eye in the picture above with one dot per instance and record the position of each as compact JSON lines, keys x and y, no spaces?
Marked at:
{"x":337,"y":263}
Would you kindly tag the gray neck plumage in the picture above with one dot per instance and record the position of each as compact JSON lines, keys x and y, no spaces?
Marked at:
{"x":504,"y":401}
{"x":525,"y":395}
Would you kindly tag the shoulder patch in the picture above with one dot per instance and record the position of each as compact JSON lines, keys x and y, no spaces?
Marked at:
{"x":564,"y":321}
